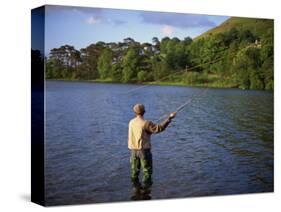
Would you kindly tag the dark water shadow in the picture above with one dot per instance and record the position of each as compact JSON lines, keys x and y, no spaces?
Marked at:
{"x":140,"y":193}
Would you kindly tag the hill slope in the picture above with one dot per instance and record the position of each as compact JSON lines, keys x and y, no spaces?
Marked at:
{"x":256,"y":26}
{"x":248,"y":51}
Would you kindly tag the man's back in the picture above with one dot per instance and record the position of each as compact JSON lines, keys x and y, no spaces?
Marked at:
{"x":140,"y":131}
{"x":138,"y":137}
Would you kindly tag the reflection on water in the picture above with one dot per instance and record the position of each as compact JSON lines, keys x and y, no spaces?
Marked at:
{"x":141,"y":194}
{"x":220,"y":144}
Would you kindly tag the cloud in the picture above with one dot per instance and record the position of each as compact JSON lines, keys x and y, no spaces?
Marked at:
{"x":93,"y":20}
{"x":168,"y":30}
{"x":118,"y":22}
{"x":99,"y":19}
{"x":88,"y":10}
{"x":95,"y":15}
{"x":177,"y":19}
{"x":99,"y":15}
{"x":84,"y":10}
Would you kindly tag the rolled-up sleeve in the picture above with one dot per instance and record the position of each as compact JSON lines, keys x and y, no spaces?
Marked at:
{"x":152,"y":128}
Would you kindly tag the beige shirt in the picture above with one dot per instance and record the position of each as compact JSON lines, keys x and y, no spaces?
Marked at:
{"x":140,"y":131}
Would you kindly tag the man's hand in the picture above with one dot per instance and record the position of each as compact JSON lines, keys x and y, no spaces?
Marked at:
{"x":172,"y":115}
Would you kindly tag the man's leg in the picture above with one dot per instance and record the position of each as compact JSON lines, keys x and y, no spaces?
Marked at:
{"x":146,"y":164}
{"x":135,"y":168}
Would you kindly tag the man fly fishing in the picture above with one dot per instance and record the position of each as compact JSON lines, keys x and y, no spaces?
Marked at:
{"x":139,"y":134}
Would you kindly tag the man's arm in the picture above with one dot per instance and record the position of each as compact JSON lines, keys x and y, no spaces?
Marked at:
{"x":152,"y":128}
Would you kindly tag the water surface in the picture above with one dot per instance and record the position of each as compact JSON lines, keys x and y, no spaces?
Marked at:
{"x":221,"y":143}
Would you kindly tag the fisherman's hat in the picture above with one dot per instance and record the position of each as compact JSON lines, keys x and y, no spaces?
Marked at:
{"x":139,"y":109}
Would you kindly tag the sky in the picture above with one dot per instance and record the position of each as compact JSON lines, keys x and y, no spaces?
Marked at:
{"x":82,"y":26}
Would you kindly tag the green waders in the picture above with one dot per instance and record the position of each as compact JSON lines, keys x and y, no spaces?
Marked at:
{"x":141,"y":159}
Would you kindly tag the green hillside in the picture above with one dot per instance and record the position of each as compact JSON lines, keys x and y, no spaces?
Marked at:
{"x":256,"y":26}
{"x":245,"y":46}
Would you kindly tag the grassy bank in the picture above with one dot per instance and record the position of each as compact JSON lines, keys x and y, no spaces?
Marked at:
{"x":197,"y":80}
{"x":209,"y":85}
{"x":190,"y":80}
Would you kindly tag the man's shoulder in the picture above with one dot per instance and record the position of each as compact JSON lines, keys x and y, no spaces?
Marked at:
{"x":147,"y":124}
{"x":132,"y":120}
{"x":137,"y":120}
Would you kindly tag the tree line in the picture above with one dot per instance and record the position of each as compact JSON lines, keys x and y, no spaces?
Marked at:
{"x":241,"y":59}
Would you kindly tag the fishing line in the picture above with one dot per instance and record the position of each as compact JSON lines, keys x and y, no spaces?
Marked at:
{"x":185,"y":70}
{"x":182,"y":106}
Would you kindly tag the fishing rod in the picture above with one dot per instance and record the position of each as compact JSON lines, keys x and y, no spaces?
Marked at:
{"x":182,"y":106}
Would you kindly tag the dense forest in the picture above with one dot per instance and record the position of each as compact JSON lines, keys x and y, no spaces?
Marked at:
{"x":239,"y":53}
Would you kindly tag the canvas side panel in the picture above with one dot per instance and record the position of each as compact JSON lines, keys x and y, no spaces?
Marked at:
{"x":37,"y":105}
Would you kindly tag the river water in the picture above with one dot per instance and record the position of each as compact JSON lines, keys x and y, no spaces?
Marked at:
{"x":220,"y":144}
